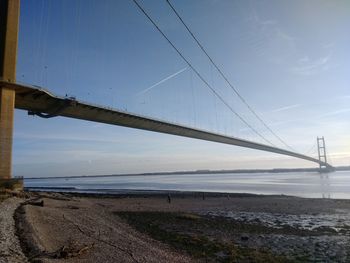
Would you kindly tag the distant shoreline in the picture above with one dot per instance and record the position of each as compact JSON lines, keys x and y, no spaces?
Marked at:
{"x":122,"y":193}
{"x":237,"y":171}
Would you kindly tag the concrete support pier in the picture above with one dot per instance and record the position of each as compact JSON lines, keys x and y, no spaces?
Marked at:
{"x":9,"y":20}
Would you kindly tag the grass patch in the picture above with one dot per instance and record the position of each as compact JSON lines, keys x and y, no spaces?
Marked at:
{"x":186,"y":233}
{"x":11,"y":184}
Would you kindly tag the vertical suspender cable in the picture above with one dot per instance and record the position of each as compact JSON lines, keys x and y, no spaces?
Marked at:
{"x":225,"y":78}
{"x":199,"y":75}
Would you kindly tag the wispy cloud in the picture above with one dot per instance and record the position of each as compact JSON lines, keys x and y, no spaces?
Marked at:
{"x":270,"y":38}
{"x":336,"y":112}
{"x":255,"y":18}
{"x":65,"y":137}
{"x":161,"y":81}
{"x":307,"y":66}
{"x":344,"y":97}
{"x":329,"y":45}
{"x":286,"y":108}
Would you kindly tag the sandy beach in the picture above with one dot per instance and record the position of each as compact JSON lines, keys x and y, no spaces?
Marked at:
{"x":181,"y":227}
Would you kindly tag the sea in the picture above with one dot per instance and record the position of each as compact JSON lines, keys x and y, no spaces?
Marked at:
{"x":303,"y":184}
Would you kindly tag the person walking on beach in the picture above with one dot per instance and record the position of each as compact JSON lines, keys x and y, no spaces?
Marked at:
{"x":169,"y":199}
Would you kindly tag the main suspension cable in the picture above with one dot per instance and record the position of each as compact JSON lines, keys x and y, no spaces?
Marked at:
{"x":225,"y":78}
{"x":198,"y":74}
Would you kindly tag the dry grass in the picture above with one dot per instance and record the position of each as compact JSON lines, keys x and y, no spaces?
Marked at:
{"x":11,"y":184}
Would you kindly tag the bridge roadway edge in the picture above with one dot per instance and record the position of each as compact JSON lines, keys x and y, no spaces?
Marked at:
{"x":40,"y":101}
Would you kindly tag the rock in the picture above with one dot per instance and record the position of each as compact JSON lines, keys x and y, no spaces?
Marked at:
{"x":244,"y":238}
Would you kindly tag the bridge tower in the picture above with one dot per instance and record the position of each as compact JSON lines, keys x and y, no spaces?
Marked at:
{"x":322,"y":155}
{"x":9,"y":22}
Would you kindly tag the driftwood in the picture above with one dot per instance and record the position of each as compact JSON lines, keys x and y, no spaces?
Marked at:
{"x":68,"y":251}
{"x":36,"y":203}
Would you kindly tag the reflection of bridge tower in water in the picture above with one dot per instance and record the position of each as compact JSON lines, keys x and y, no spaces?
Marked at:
{"x":322,"y":155}
{"x":325,"y":185}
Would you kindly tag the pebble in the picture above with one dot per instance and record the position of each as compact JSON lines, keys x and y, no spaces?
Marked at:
{"x":10,"y":249}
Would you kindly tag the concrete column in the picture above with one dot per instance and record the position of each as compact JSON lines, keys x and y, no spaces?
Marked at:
{"x":7,"y":102}
{"x":9,"y":20}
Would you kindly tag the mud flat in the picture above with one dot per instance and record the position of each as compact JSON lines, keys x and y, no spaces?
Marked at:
{"x":183,"y":227}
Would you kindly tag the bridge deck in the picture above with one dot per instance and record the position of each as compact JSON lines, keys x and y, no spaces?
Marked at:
{"x":41,"y":102}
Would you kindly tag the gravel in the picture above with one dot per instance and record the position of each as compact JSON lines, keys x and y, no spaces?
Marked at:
{"x":10,"y":249}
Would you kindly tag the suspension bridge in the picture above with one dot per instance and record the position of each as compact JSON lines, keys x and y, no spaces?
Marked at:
{"x":41,"y":102}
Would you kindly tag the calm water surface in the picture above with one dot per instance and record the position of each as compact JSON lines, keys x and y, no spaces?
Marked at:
{"x":332,"y":185}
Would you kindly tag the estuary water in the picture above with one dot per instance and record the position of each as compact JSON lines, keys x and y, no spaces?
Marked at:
{"x":303,"y":184}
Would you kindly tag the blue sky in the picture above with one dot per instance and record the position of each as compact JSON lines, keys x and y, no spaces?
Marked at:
{"x":289,"y":60}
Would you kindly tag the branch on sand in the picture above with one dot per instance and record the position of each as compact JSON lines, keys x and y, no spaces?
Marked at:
{"x":64,"y":252}
{"x":101,"y":240}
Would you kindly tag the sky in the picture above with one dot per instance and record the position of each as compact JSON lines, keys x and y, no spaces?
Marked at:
{"x":290,"y":60}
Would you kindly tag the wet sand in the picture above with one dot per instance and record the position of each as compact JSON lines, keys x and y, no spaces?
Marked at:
{"x":70,"y":228}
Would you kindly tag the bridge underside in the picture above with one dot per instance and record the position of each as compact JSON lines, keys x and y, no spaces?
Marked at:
{"x":41,"y":102}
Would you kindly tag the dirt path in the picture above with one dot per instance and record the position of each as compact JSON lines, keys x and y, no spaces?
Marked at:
{"x":10,"y":250}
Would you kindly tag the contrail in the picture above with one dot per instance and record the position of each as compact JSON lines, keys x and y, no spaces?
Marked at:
{"x":286,"y":108}
{"x":162,"y":81}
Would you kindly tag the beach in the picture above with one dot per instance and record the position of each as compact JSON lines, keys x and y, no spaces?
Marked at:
{"x":176,"y":227}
